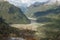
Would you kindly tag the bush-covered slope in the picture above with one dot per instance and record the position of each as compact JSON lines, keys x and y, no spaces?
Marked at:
{"x":12,"y":14}
{"x":50,"y":31}
{"x":48,"y":15}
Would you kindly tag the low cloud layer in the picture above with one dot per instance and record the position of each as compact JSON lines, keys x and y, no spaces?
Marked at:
{"x":25,"y":2}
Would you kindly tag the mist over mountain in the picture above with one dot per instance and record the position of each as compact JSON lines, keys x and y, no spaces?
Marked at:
{"x":24,"y":4}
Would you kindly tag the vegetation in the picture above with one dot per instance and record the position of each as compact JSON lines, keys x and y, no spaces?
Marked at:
{"x":50,"y":31}
{"x":40,"y":10}
{"x":50,"y":16}
{"x":46,"y":16}
{"x":12,"y":14}
{"x":6,"y":31}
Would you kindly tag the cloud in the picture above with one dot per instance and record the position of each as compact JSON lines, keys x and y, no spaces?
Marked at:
{"x":23,"y":4}
{"x":26,"y":2}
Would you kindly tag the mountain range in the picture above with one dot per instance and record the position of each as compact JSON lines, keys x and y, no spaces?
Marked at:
{"x":33,"y":9}
{"x":41,"y":11}
{"x":27,"y":3}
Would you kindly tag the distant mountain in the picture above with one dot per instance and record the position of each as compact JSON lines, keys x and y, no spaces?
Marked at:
{"x":36,"y":4}
{"x":12,"y":14}
{"x":23,"y":4}
{"x":41,"y":10}
{"x":49,"y":11}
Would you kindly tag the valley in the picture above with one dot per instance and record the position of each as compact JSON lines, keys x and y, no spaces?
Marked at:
{"x":32,"y":26}
{"x":39,"y":22}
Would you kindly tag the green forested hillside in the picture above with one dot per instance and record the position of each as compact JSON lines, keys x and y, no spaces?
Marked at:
{"x":12,"y":14}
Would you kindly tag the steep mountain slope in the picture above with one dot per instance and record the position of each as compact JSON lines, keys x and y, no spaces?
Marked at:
{"x":43,"y":13}
{"x":48,"y":18}
{"x":48,"y":15}
{"x":50,"y":31}
{"x":55,"y":10}
{"x":37,"y":11}
{"x":12,"y":14}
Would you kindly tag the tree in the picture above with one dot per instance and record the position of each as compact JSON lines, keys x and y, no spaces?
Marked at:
{"x":4,"y":27}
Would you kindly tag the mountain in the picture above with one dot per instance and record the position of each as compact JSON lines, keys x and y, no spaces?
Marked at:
{"x":23,"y":4}
{"x":12,"y":14}
{"x":43,"y":12}
{"x":36,"y":4}
{"x":49,"y":16}
{"x":35,"y":11}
